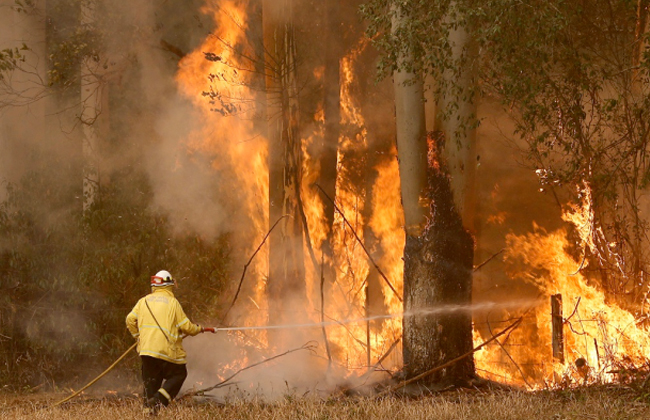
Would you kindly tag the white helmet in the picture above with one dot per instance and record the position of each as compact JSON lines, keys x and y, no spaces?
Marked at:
{"x":162,"y":278}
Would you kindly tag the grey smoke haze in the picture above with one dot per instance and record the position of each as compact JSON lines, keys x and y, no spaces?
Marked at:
{"x":153,"y":120}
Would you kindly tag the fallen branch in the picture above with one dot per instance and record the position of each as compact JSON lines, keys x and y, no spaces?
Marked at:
{"x":388,"y":352}
{"x":575,"y":310}
{"x":243,"y":274}
{"x":308,"y":346}
{"x":521,"y":372}
{"x":372,"y":369}
{"x":488,"y":260}
{"x":451,"y":362}
{"x":381,"y":273}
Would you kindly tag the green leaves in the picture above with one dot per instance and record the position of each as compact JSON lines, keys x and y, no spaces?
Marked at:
{"x":575,"y":79}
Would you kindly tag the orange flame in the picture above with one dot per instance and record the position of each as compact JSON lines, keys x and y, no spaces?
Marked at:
{"x":600,"y":338}
{"x":228,"y":137}
{"x":597,"y":331}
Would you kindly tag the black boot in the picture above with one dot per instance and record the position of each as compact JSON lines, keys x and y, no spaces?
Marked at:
{"x":152,"y":405}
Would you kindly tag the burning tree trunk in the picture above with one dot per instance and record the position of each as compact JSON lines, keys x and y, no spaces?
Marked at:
{"x":332,"y":115}
{"x":438,"y":253}
{"x":286,"y":283}
{"x":558,"y":327}
{"x":438,"y":271}
{"x":255,"y":33}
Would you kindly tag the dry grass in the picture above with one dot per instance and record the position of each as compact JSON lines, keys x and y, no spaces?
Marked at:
{"x":595,"y":403}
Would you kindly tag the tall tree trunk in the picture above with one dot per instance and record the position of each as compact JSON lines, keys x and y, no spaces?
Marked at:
{"x":332,"y":115}
{"x":91,"y":101}
{"x":255,"y":35}
{"x":286,"y":283}
{"x":438,"y":272}
{"x":459,"y":130}
{"x":438,"y":252}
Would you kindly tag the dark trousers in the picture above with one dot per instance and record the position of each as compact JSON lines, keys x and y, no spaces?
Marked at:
{"x":154,"y":371}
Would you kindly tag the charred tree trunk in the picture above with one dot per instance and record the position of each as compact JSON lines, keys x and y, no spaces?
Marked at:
{"x":557,"y":322}
{"x":286,"y":282}
{"x":438,"y":272}
{"x":255,"y":34}
{"x":438,"y":252}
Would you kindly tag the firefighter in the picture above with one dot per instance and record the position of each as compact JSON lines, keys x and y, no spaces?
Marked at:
{"x":159,"y":323}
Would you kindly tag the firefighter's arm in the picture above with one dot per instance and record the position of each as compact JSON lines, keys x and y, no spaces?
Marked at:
{"x":185,"y":325}
{"x":132,"y":322}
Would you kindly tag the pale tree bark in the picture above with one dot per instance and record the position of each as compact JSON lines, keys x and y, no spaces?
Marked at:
{"x":460,"y":148}
{"x":438,"y":252}
{"x":286,"y":282}
{"x":92,"y":104}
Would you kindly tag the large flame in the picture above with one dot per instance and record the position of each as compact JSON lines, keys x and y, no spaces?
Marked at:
{"x":212,"y":77}
{"x":227,"y":134}
{"x":600,"y":337}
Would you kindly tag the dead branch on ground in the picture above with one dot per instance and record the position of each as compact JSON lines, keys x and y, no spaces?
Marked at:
{"x":521,"y":372}
{"x":451,"y":362}
{"x":250,"y":260}
{"x":310,"y":346}
{"x":373,"y":368}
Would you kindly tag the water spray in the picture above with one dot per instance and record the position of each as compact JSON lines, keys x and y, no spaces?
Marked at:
{"x":444,"y":309}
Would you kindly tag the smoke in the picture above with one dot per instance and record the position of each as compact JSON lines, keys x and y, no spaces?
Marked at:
{"x":198,"y":164}
{"x":21,"y":128}
{"x":509,"y":201}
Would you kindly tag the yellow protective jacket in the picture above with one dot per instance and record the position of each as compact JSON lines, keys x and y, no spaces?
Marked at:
{"x":162,"y":339}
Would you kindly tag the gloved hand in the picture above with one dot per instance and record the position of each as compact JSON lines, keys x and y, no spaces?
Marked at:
{"x":209,"y":329}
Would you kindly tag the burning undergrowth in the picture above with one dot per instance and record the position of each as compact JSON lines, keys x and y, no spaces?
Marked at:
{"x":594,"y":340}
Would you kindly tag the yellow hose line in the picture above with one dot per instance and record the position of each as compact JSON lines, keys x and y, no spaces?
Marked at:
{"x":99,"y":377}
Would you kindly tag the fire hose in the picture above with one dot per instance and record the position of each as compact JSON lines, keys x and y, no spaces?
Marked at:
{"x":99,"y":377}
{"x":423,"y":311}
{"x":119,"y":359}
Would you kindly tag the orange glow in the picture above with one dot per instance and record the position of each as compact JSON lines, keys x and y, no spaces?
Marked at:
{"x":606,"y":336}
{"x":596,"y":331}
{"x":230,"y":140}
{"x":227,"y":136}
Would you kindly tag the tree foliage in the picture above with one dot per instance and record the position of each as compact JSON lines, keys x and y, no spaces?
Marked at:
{"x":574,"y":78}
